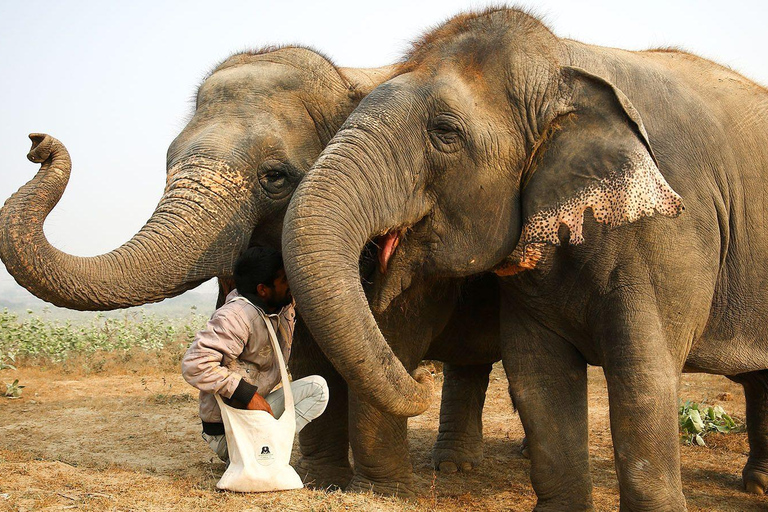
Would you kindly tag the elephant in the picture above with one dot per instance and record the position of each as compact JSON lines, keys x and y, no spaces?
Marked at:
{"x":483,"y":155}
{"x":261,"y":119}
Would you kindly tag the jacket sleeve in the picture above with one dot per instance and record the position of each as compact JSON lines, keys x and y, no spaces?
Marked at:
{"x":222,"y":341}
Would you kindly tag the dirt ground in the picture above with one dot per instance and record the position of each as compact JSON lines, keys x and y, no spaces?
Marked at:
{"x":131,"y":442}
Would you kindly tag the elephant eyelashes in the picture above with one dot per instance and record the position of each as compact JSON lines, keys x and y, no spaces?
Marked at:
{"x":274,"y":175}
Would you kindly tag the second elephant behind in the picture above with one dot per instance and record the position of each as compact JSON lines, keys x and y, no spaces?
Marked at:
{"x":260,"y":121}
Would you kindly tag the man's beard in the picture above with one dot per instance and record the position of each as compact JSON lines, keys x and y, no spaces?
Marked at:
{"x":279,"y":304}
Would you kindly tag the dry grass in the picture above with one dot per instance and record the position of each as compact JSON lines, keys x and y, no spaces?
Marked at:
{"x":119,"y":440}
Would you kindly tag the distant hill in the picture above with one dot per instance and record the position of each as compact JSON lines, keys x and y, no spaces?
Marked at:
{"x":18,"y":300}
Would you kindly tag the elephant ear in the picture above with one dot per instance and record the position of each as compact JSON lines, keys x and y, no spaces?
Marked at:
{"x":595,"y":155}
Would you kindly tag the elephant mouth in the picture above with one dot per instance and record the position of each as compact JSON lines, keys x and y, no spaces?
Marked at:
{"x":387,"y":244}
{"x":394,"y":276}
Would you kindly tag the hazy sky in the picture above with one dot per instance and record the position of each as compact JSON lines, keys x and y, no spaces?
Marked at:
{"x":113,"y":80}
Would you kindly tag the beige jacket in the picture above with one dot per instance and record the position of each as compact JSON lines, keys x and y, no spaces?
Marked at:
{"x":235,"y":346}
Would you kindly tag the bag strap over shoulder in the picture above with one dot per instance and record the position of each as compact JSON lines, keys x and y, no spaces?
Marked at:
{"x":289,"y":405}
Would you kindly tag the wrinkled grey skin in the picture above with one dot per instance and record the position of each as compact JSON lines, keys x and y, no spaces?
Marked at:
{"x":505,"y":136}
{"x":260,"y":121}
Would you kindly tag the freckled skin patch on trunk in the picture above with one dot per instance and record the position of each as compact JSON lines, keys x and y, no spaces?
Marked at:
{"x":218,"y":174}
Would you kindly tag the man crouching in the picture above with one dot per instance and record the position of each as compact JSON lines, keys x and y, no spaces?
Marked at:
{"x":233,"y":355}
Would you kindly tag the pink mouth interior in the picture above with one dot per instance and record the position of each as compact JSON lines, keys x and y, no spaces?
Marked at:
{"x":387,"y":245}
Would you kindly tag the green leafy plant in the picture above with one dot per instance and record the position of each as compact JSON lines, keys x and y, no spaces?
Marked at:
{"x":697,"y":420}
{"x":31,"y":339}
{"x":7,"y":365}
{"x":13,"y":390}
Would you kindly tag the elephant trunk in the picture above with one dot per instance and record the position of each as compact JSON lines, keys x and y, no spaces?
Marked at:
{"x":196,"y":232}
{"x":335,"y":211}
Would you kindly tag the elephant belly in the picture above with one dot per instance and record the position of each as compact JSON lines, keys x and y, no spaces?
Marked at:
{"x":471,"y":335}
{"x":468,"y":340}
{"x":728,"y":356}
{"x":456,"y":352}
{"x":735,"y":339}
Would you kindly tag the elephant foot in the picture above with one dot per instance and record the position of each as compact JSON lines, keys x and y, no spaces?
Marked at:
{"x":755,"y":477}
{"x":559,"y":507}
{"x":456,"y":456}
{"x":324,"y":475}
{"x":404,"y":488}
{"x":449,"y":466}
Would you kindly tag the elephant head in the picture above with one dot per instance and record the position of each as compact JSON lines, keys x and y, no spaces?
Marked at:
{"x":486,"y":148}
{"x":260,"y":120}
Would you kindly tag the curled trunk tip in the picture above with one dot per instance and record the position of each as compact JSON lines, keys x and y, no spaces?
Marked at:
{"x":169,"y":255}
{"x":43,"y":145}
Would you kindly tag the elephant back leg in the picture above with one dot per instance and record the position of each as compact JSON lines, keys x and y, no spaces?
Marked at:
{"x":755,"y":473}
{"x":459,"y":444}
{"x":468,"y":346}
{"x":324,"y":443}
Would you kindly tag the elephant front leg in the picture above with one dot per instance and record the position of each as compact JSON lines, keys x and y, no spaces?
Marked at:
{"x":548,"y":385}
{"x":459,"y":444}
{"x":380,"y":450}
{"x":755,"y":473}
{"x":324,"y":442}
{"x":643,"y":378}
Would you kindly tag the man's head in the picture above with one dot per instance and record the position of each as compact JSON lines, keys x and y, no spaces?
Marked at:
{"x":259,"y":272}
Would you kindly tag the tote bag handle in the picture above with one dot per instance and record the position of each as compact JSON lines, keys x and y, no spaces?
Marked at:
{"x":289,"y":407}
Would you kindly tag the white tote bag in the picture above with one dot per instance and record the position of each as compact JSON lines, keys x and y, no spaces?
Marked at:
{"x":259,"y":444}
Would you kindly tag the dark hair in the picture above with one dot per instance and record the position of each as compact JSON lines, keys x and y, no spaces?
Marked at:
{"x":257,"y":265}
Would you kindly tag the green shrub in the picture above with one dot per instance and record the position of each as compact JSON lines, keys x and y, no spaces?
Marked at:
{"x":33,"y":339}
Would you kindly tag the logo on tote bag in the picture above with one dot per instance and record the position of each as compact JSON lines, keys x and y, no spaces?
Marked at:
{"x":266,"y":457}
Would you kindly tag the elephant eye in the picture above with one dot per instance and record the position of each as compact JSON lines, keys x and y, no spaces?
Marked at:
{"x":445,"y":133}
{"x":274,"y":177}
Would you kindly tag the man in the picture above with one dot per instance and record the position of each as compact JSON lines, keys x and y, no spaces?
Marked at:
{"x":233,"y":355}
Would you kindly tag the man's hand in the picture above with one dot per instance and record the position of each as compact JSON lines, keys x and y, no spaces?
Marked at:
{"x":258,"y":403}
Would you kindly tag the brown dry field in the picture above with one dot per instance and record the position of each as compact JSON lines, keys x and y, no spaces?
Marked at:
{"x":130,"y":441}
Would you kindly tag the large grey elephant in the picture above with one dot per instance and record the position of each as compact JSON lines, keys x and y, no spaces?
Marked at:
{"x":486,"y":153}
{"x":261,"y":119}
